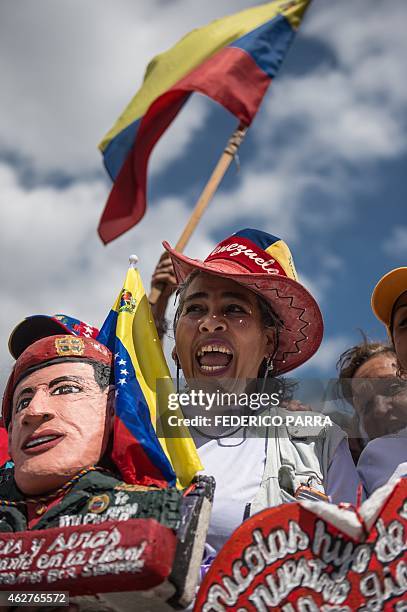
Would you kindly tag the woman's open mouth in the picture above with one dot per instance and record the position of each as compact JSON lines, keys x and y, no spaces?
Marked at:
{"x":214,"y":359}
{"x":41,"y":443}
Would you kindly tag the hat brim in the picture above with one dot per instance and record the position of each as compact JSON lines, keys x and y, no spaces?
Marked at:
{"x":386,"y":293}
{"x":302,"y":330}
{"x":32,"y":329}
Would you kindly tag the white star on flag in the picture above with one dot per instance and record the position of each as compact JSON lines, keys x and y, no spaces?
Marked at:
{"x":122,"y":362}
{"x":121,"y":381}
{"x":125,"y":372}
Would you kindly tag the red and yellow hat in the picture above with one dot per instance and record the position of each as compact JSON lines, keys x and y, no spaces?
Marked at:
{"x":49,"y":350}
{"x":263,"y":263}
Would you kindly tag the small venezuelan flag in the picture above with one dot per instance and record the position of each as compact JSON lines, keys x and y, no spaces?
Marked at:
{"x":231,"y":60}
{"x":143,"y":458}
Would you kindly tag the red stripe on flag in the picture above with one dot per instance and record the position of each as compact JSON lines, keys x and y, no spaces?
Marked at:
{"x":133,"y":462}
{"x":231,"y":77}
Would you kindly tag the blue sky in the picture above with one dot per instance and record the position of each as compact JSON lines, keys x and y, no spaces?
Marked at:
{"x":323,"y":166}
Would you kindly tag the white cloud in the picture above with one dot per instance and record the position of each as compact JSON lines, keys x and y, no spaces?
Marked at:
{"x":369,"y":41}
{"x":327,"y":355}
{"x":351,"y":107}
{"x":70,"y":68}
{"x":335,"y":122}
{"x":273,"y":199}
{"x":395,"y":245}
{"x":54,"y":261}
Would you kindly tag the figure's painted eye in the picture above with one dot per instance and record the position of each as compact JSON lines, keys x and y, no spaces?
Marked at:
{"x":66,"y":388}
{"x":23,"y":403}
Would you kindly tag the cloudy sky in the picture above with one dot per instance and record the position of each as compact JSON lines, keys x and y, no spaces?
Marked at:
{"x":323,"y":166}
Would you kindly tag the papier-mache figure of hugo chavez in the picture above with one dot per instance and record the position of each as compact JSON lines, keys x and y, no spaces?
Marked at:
{"x":27,"y":332}
{"x":58,"y":407}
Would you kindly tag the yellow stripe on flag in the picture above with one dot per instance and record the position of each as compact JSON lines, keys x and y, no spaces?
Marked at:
{"x":138,"y":333}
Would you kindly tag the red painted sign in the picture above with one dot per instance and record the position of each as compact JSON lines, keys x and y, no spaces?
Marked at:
{"x":115,"y":556}
{"x":295,"y":559}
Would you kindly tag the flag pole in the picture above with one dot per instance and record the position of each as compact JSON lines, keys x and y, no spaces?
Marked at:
{"x":229,"y":153}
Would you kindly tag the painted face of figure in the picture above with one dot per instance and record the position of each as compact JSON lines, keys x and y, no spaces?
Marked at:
{"x":61,"y":422}
{"x":379,"y":397}
{"x":400,"y":329}
{"x":220,"y":333}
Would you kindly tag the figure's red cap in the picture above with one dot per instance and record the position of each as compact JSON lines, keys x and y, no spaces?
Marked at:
{"x":35,"y":327}
{"x":48,"y":350}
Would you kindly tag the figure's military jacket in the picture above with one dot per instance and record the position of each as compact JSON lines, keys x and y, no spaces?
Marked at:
{"x":96,"y":497}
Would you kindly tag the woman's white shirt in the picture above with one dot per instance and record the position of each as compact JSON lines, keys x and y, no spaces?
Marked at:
{"x":237,"y":465}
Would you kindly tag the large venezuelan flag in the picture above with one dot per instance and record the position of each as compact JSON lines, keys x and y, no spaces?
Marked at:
{"x":143,"y":458}
{"x":231,"y":60}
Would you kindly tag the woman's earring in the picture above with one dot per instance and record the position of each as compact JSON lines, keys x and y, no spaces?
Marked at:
{"x":178,"y":369}
{"x":176,"y":360}
{"x":267,"y":371}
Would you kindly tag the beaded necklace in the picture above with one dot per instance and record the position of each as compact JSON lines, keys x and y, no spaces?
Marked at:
{"x":43,"y":501}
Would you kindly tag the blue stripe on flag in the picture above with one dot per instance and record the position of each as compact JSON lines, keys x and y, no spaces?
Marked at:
{"x":107,"y":334}
{"x":130,"y":404}
{"x":268,"y":44}
{"x":118,"y":149}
